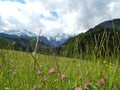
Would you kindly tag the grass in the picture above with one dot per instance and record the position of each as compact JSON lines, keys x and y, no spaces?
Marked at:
{"x":17,"y":72}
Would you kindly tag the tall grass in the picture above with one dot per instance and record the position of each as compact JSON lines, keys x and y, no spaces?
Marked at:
{"x":17,"y":73}
{"x":91,"y":71}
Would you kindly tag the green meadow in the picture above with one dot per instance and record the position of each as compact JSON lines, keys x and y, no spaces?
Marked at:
{"x":28,"y":71}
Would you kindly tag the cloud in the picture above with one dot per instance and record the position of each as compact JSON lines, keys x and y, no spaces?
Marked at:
{"x":56,"y":16}
{"x":1,"y":22}
{"x":90,"y":12}
{"x":114,"y":9}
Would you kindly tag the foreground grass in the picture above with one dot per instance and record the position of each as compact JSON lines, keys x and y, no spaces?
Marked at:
{"x":18,"y":72}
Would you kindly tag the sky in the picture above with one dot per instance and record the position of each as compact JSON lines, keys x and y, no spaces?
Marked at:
{"x":56,"y":16}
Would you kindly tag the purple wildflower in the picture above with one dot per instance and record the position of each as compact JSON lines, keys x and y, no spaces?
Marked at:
{"x":63,"y":77}
{"x":87,"y":84}
{"x":101,"y":82}
{"x":105,"y":78}
{"x":39,"y":72}
{"x":78,"y":88}
{"x":52,"y":71}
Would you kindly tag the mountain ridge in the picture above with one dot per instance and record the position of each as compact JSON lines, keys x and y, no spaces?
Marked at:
{"x":55,"y":40}
{"x":103,"y":39}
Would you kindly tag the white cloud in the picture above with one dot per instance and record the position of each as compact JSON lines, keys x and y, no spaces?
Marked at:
{"x":114,"y":9}
{"x":73,"y":16}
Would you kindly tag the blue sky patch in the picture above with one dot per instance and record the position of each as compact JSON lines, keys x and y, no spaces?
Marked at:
{"x":21,"y":1}
{"x":53,"y":13}
{"x":50,"y":18}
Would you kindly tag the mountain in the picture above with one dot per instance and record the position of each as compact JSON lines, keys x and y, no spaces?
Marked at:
{"x":55,"y":40}
{"x":109,"y":24}
{"x":24,"y":40}
{"x":17,"y":34}
{"x":51,"y":40}
{"x":102,"y":40}
{"x":21,"y":33}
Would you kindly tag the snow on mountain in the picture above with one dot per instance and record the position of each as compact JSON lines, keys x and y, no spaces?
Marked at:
{"x":18,"y":32}
{"x":51,"y":39}
{"x":57,"y":39}
{"x":23,"y":32}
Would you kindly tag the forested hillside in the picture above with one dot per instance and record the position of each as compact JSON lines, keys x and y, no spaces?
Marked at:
{"x":102,"y":40}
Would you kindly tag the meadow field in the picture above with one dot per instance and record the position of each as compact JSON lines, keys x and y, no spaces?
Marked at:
{"x":28,"y":71}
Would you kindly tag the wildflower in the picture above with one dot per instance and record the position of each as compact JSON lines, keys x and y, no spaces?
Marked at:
{"x":101,"y":82}
{"x":52,"y":71}
{"x":78,"y":88}
{"x":39,"y":72}
{"x":87,"y":84}
{"x":63,"y":77}
{"x":105,"y":78}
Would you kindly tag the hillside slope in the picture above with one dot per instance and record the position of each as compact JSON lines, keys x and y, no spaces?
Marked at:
{"x":102,"y":40}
